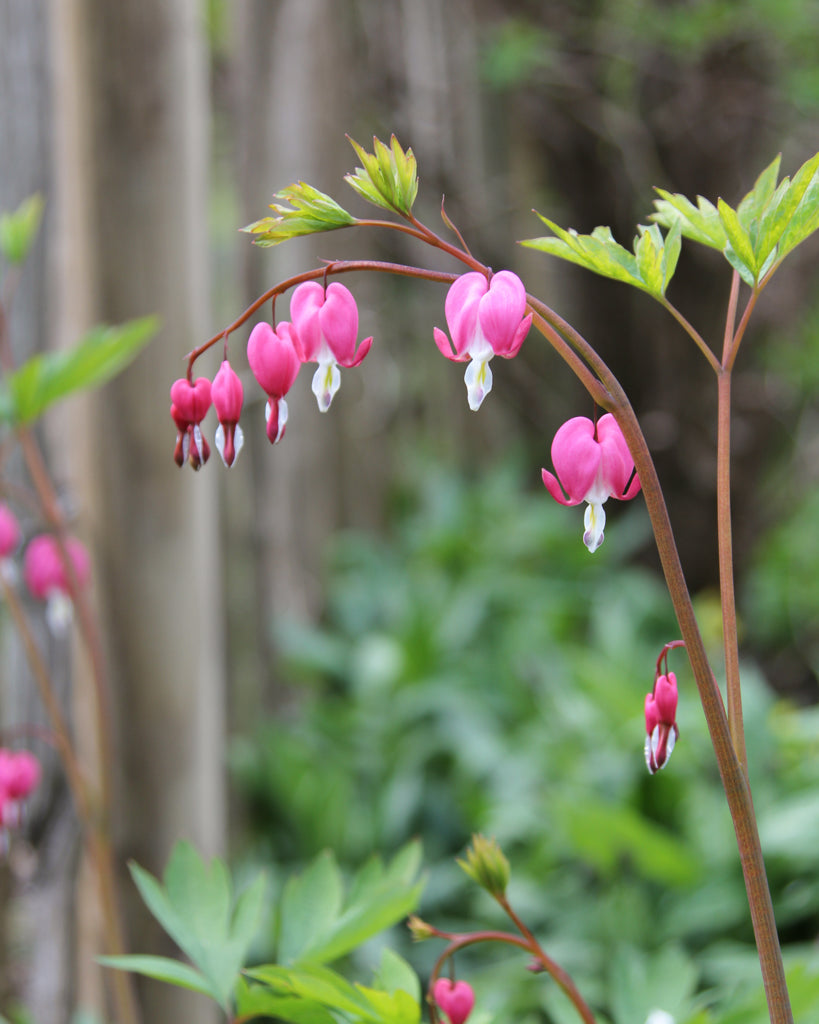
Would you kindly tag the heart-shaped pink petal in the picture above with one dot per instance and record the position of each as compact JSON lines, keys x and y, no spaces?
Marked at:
{"x":456,"y":999}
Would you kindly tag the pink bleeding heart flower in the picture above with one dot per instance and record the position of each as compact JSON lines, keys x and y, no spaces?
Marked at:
{"x":19,"y":775}
{"x":485,"y":319}
{"x":46,"y":578}
{"x":190,"y":402}
{"x":661,"y":722}
{"x":593,"y":463}
{"x":456,"y":999}
{"x":228,"y":396}
{"x":275,"y":364}
{"x":9,"y":532}
{"x":324,"y":330}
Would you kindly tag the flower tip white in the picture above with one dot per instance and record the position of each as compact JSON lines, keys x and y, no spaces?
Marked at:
{"x":326,"y":381}
{"x":594,"y":522}
{"x":59,"y":612}
{"x":478,"y":380}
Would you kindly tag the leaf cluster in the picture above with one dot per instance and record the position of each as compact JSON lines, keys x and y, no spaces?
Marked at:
{"x":317,"y":923}
{"x":768,"y":224}
{"x":649,"y":267}
{"x":309,"y":211}
{"x":388,"y":177}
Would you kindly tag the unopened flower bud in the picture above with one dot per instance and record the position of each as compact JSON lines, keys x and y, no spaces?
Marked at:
{"x":487,"y":865}
{"x":419,"y":929}
{"x":228,"y":396}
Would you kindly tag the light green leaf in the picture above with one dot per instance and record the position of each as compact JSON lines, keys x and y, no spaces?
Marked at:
{"x":378,"y":899}
{"x":754,"y":204}
{"x":44,"y":379}
{"x":19,"y":229}
{"x":649,"y":267}
{"x":388,"y":177}
{"x":700,"y":223}
{"x":317,"y":984}
{"x":642,"y":982}
{"x":309,"y":212}
{"x":394,"y":974}
{"x":261,"y":1001}
{"x":195,"y":908}
{"x":162,"y":968}
{"x":309,"y":908}
{"x":739,"y":244}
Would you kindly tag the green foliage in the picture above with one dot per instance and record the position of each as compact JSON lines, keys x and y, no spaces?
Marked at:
{"x":19,"y":229}
{"x":310,"y":211}
{"x":388,"y":178}
{"x":316,"y":924}
{"x":649,"y":267}
{"x":196,"y":908}
{"x":768,"y":224}
{"x":44,"y":379}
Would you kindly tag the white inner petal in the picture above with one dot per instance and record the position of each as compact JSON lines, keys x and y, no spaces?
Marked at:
{"x":594,"y":521}
{"x":478,"y":380}
{"x":326,"y":381}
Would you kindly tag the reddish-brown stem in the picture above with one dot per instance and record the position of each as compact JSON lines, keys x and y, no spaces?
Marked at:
{"x":332,"y":267}
{"x":693,"y":333}
{"x":526,"y":942}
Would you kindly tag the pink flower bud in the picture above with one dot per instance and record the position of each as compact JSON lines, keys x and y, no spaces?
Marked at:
{"x":189,"y":406}
{"x":19,"y":775}
{"x":275,"y":363}
{"x":228,"y":395}
{"x":661,"y":722}
{"x":485,"y":319}
{"x":9,"y":532}
{"x":456,"y":999}
{"x":325,"y":328}
{"x":594,"y":464}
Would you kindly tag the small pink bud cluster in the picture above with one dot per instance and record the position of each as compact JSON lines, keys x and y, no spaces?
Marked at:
{"x":19,"y":775}
{"x":661,"y":722}
{"x":593,"y":463}
{"x":455,"y":999}
{"x":323,"y":330}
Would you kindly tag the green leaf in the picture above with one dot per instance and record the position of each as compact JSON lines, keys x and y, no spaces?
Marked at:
{"x":162,"y":968}
{"x":641,"y":982}
{"x":388,"y":178}
{"x":738,"y":251}
{"x":650,"y":267}
{"x":700,"y":223}
{"x":310,"y":905}
{"x":19,"y":229}
{"x":316,"y":984}
{"x":195,"y":907}
{"x":261,"y":1001}
{"x":309,"y":212}
{"x":394,"y":974}
{"x":378,"y":899}
{"x":46,"y":378}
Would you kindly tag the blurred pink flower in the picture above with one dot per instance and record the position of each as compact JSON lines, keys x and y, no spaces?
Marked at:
{"x":46,"y":578}
{"x":189,"y":406}
{"x":456,"y":999}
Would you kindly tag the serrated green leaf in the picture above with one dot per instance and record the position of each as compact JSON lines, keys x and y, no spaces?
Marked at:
{"x":310,"y":905}
{"x":700,"y":223}
{"x":741,"y":267}
{"x":805,"y":217}
{"x":754,"y":204}
{"x":162,"y":968}
{"x":738,"y":240}
{"x":646,"y":268}
{"x":19,"y":229}
{"x":310,"y":211}
{"x":50,"y":376}
{"x":388,"y":177}
{"x":788,"y":198}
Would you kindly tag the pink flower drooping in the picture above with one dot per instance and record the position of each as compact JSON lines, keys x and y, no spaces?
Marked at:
{"x":189,"y":406}
{"x":593,"y":463}
{"x":19,"y":775}
{"x":228,"y":395}
{"x":46,"y":577}
{"x":485,"y":319}
{"x":661,"y":721}
{"x":275,"y":364}
{"x":324,"y":330}
{"x":9,"y":542}
{"x":456,"y":999}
